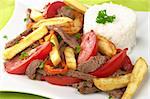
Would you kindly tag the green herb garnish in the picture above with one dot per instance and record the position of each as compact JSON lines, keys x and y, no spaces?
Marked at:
{"x":25,"y":19}
{"x":77,"y":35}
{"x":17,"y":42}
{"x":5,"y":37}
{"x":110,"y":97}
{"x":59,"y":38}
{"x":78,"y":49}
{"x":103,"y":18}
{"x":41,"y":66}
{"x":23,"y":55}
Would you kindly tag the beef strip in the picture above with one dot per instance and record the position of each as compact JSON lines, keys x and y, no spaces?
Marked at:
{"x":32,"y":68}
{"x":85,"y":87}
{"x":42,"y":72}
{"x":80,"y":75}
{"x":92,"y":64}
{"x":18,"y":38}
{"x":71,"y":41}
{"x":119,"y":73}
{"x":65,"y":11}
{"x":117,"y":94}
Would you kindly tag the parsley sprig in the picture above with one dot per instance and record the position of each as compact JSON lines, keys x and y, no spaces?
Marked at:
{"x":23,"y":55}
{"x":103,"y":18}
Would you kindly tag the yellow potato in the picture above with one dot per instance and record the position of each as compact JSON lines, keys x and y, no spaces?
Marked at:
{"x":36,"y":15}
{"x":76,"y":5}
{"x":138,"y":73}
{"x":52,"y":21}
{"x":25,"y":42}
{"x":54,"y":40}
{"x":54,"y":54}
{"x":70,"y":58}
{"x":106,"y":47}
{"x":108,"y":84}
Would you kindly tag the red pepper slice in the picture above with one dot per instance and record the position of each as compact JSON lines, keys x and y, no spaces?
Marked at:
{"x":17,"y":66}
{"x":49,"y":69}
{"x":111,"y":66}
{"x":62,"y":80}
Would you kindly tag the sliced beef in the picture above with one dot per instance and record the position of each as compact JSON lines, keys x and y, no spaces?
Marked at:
{"x":80,"y":75}
{"x":117,"y":94}
{"x":86,"y":87}
{"x":92,"y":64}
{"x":18,"y":38}
{"x":119,"y":73}
{"x":32,"y":68}
{"x":71,"y":41}
{"x":65,"y":11}
{"x":87,"y":90}
{"x":42,"y":72}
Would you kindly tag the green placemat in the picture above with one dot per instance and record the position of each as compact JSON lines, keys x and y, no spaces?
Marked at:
{"x":6,"y":11}
{"x":14,"y":95}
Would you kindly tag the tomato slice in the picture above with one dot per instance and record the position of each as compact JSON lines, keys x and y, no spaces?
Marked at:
{"x":62,"y":80}
{"x":127,"y":65}
{"x":51,"y":9}
{"x":18,"y":66}
{"x":88,"y":47}
{"x":111,"y":66}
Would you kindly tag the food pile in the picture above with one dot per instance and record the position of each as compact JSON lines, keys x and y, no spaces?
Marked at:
{"x":53,"y":48}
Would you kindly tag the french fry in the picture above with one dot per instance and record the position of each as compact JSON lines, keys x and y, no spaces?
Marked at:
{"x":76,"y":5}
{"x":138,"y":73}
{"x":52,"y":21}
{"x":25,"y":42}
{"x":36,"y":15}
{"x":70,"y":58}
{"x":106,"y":47}
{"x":54,"y":54}
{"x":108,"y":84}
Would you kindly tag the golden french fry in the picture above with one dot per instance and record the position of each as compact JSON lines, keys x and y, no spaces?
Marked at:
{"x":25,"y":42}
{"x":54,"y":54}
{"x":138,"y":73}
{"x":76,"y":5}
{"x":106,"y":47}
{"x":70,"y":58}
{"x":108,"y":84}
{"x":36,"y":15}
{"x":52,"y":21}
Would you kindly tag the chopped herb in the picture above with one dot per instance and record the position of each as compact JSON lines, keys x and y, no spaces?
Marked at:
{"x":23,"y":55}
{"x":25,"y":19}
{"x":17,"y":42}
{"x":59,"y":38}
{"x":110,"y":97}
{"x":41,"y":66}
{"x":77,"y":49}
{"x":78,"y":35}
{"x":5,"y":37}
{"x":103,"y":18}
{"x":52,"y":44}
{"x":67,"y":8}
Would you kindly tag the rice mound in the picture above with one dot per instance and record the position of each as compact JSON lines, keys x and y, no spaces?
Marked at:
{"x":122,"y":31}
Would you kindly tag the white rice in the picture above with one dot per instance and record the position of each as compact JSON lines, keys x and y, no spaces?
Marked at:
{"x":122,"y":31}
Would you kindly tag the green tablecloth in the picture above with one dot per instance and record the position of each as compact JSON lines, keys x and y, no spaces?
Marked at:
{"x":6,"y":11}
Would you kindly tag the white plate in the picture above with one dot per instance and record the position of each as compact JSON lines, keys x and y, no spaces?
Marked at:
{"x":18,"y":83}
